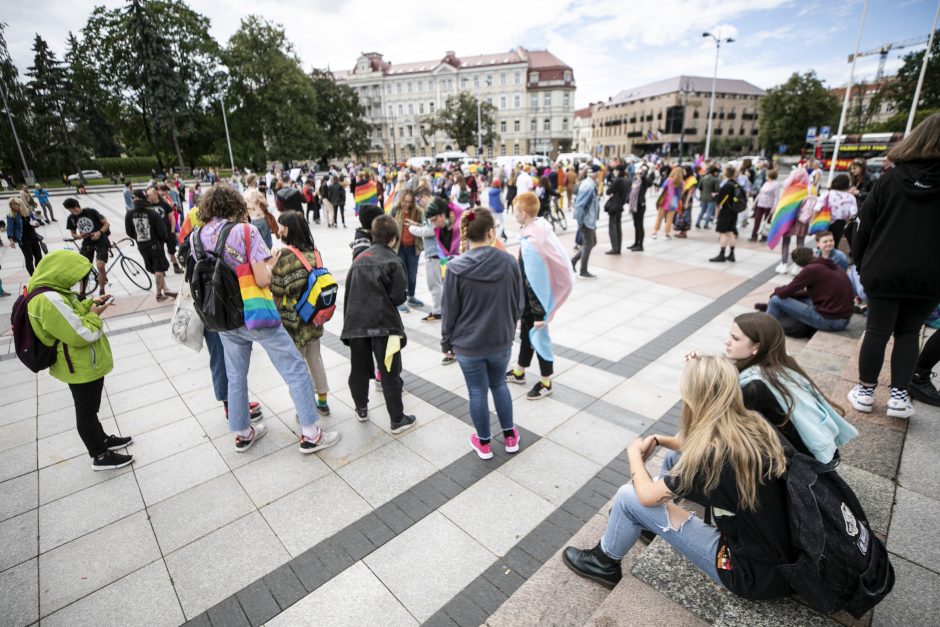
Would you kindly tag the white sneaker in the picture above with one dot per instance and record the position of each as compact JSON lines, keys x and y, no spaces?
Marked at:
{"x":900,"y":408}
{"x":862,"y":402}
{"x":781,"y":268}
{"x":793,"y":269}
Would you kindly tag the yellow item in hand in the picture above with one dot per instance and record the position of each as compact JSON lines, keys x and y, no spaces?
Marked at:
{"x":393,"y":346}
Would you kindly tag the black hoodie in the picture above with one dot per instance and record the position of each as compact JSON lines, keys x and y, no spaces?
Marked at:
{"x":483,"y":299}
{"x":897,"y":246}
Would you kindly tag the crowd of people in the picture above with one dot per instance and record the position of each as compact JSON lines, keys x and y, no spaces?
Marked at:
{"x":260,"y":279}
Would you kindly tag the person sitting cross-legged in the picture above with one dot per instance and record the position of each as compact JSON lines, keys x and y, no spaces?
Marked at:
{"x":820,"y":297}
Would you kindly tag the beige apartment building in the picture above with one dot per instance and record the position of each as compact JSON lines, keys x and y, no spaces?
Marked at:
{"x":659,"y":115}
{"x":533,"y":92}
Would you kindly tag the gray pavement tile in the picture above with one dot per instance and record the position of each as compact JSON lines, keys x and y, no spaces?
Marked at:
{"x":18,"y":461}
{"x":441,"y":441}
{"x":428,"y":563}
{"x":128,"y":400}
{"x":913,"y":534}
{"x":66,"y":445}
{"x":257,"y":602}
{"x":74,"y":570}
{"x":223,"y":562}
{"x":484,"y":594}
{"x":72,"y":476}
{"x":393,"y":517}
{"x":385,"y":472}
{"x":19,"y":495}
{"x":54,"y":422}
{"x":311,"y":572}
{"x":312,"y":514}
{"x":17,"y":434}
{"x":877,"y":449}
{"x":875,"y":493}
{"x":439,"y":619}
{"x":19,"y":594}
{"x":144,"y":597}
{"x":19,"y":539}
{"x":372,"y":527}
{"x":172,"y":475}
{"x":279,"y":436}
{"x":822,"y":361}
{"x":537,"y":470}
{"x":20,"y":410}
{"x":229,"y":613}
{"x":331,"y":604}
{"x":503,"y":577}
{"x":358,"y":439}
{"x":139,"y":421}
{"x":919,"y":470}
{"x":353,"y":542}
{"x":283,"y":586}
{"x":914,"y":599}
{"x":742,"y":613}
{"x":271,"y":477}
{"x":165,"y":441}
{"x":200,"y":510}
{"x":496,"y":497}
{"x":465,"y":612}
{"x":81,"y":512}
{"x":543,"y":415}
{"x":595,"y":438}
{"x":544,"y":541}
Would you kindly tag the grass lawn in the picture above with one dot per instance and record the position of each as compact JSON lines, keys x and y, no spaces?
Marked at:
{"x":57,"y":184}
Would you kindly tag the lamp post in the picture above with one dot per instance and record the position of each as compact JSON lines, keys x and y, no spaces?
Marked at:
{"x":479,"y":121}
{"x":228,"y":140}
{"x":6,"y":107}
{"x":711,"y":102}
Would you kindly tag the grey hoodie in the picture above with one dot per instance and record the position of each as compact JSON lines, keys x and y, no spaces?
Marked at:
{"x":482,"y":302}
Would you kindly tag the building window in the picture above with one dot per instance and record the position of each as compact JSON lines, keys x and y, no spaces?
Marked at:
{"x":566,"y":99}
{"x":532,"y":125}
{"x":401,"y":110}
{"x":489,"y":100}
{"x":463,"y":83}
{"x":476,"y":80}
{"x":398,"y":87}
{"x":517,"y":77}
{"x":516,"y":126}
{"x":502,"y":81}
{"x":420,"y":107}
{"x":547,"y":99}
{"x":564,"y":124}
{"x":388,"y":89}
{"x":515,"y":150}
{"x":431,"y":107}
{"x":390,"y":112}
{"x":533,"y":77}
{"x":567,"y":76}
{"x":534,"y":101}
{"x":502,"y":128}
{"x":431,"y":85}
{"x":409,"y":130}
{"x":547,"y":124}
{"x":517,"y":101}
{"x":502,"y":102}
{"x":409,"y":87}
{"x":489,"y":80}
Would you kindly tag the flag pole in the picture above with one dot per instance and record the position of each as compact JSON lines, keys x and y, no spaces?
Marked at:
{"x":845,"y":101}
{"x":923,"y":71}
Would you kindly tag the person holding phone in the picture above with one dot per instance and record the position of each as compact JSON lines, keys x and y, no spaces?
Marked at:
{"x":60,"y":318}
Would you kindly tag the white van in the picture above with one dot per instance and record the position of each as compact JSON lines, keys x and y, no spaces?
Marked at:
{"x":419,"y":162}
{"x":451,"y":156}
{"x":574,"y":157}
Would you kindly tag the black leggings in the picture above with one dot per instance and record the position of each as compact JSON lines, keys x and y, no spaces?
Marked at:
{"x":87,"y":399}
{"x":930,"y":354}
{"x":837,"y":228}
{"x":546,"y":368}
{"x":361,"y":352}
{"x":337,"y":212}
{"x":638,"y":226}
{"x":32,"y":253}
{"x":901,"y":318}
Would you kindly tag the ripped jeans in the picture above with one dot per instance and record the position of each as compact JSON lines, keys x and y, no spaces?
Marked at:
{"x":694,"y":539}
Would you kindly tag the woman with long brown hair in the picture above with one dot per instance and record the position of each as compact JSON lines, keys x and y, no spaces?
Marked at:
{"x":668,"y":202}
{"x":20,"y":231}
{"x":408,"y":247}
{"x":731,"y":461}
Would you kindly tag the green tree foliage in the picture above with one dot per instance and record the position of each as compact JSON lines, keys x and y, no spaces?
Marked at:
{"x":18,"y":103}
{"x":51,"y":138}
{"x":458,"y":120}
{"x":340,"y":117}
{"x":902,"y":91}
{"x":90,"y":108}
{"x":789,"y":109}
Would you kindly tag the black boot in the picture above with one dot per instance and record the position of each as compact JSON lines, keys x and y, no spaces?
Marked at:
{"x":922,"y":389}
{"x":593,"y":564}
{"x":731,"y":256}
{"x":720,"y":258}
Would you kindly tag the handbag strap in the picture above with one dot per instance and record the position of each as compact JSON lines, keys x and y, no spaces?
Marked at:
{"x":300,"y":256}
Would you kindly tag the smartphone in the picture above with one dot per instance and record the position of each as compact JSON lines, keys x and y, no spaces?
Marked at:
{"x":107,"y":300}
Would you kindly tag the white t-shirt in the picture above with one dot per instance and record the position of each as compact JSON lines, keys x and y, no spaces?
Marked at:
{"x":524,"y":183}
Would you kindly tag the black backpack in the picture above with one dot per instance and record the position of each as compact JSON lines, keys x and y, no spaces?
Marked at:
{"x":33,"y":353}
{"x":739,"y":200}
{"x":216,"y":295}
{"x":841,"y":564}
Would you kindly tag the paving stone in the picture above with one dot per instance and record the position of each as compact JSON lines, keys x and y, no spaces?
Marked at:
{"x":875,"y":493}
{"x":385,"y":472}
{"x":283,"y":586}
{"x":428,"y":564}
{"x":228,"y":613}
{"x":178,"y":473}
{"x":258,"y":603}
{"x":19,"y":495}
{"x":914,"y":599}
{"x":742,"y":613}
{"x":877,"y":449}
{"x":72,"y":476}
{"x":395,"y":518}
{"x":544,"y":541}
{"x":919,"y":470}
{"x":144,"y":597}
{"x":484,"y":594}
{"x":590,"y":436}
{"x":76,"y":569}
{"x":19,"y":594}
{"x":465,"y":612}
{"x":310,"y":570}
{"x":19,"y":539}
{"x":331,"y":603}
{"x":439,"y":619}
{"x":913,"y":534}
{"x":537,"y":470}
{"x":221,"y":563}
{"x":355,"y":443}
{"x":441,"y":441}
{"x":372,"y":527}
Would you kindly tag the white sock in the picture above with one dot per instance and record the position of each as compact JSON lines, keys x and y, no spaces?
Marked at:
{"x":245,"y":433}
{"x":311,"y":432}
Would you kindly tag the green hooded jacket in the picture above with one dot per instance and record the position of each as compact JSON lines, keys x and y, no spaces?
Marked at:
{"x":60,"y":315}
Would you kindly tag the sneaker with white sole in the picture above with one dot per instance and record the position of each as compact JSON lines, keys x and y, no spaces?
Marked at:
{"x":861,"y":399}
{"x":512,"y":377}
{"x":405,"y":423}
{"x":111,"y":460}
{"x":483,"y":451}
{"x":781,"y":268}
{"x":899,"y":405}
{"x":326,"y":440}
{"x":539,"y":391}
{"x":512,"y":441}
{"x":242,"y":444}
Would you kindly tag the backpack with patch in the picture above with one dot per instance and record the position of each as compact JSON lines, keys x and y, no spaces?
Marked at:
{"x":216,"y":294}
{"x":841,"y":564}
{"x":739,"y":200}
{"x":318,"y":302}
{"x":34,"y":354}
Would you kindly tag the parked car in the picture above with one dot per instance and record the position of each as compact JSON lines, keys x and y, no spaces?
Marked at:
{"x":86,"y":174}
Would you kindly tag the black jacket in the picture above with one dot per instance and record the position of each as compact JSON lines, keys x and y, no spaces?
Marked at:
{"x":376,"y":285}
{"x":337,"y":195}
{"x":619,"y":195}
{"x":144,"y":225}
{"x":482,"y":302}
{"x":896,"y":246}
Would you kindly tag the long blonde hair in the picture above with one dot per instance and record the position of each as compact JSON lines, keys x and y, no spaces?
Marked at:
{"x":17,"y":207}
{"x":717,"y":428}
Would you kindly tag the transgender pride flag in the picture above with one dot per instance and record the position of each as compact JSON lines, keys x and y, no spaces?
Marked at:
{"x":549,"y":273}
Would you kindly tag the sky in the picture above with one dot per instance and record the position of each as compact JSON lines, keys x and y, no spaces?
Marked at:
{"x":612,"y":45}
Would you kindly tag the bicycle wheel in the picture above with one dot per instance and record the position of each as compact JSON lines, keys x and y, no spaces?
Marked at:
{"x":562,"y":220}
{"x":136,"y":273}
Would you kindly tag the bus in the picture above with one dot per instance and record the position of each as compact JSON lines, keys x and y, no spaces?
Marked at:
{"x":852,"y":147}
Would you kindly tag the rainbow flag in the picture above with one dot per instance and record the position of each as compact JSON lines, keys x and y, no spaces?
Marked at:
{"x":366,"y":194}
{"x":795,"y":191}
{"x":821,"y":219}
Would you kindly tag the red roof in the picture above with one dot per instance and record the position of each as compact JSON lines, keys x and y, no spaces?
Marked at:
{"x":586,"y":112}
{"x":544,"y":59}
{"x":537,"y":60}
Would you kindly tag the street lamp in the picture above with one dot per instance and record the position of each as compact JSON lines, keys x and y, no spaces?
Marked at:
{"x":225,"y":76}
{"x":711,"y":103}
{"x":489,"y":82}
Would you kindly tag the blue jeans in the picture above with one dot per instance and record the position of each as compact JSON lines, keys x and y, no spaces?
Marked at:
{"x":707,"y":213}
{"x":409,"y":256}
{"x":487,"y":372}
{"x":694,"y":539}
{"x":285,"y":357}
{"x":802,"y":309}
{"x":217,"y":365}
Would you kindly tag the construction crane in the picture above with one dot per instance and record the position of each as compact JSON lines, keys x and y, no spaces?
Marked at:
{"x":884,"y":50}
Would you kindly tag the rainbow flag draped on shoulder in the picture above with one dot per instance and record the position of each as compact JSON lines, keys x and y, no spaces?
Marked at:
{"x":795,"y":191}
{"x":821,"y":218}
{"x":548,"y":272}
{"x":366,"y":194}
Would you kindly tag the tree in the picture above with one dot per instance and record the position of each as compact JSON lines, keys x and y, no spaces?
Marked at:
{"x":902,"y":91}
{"x":18,"y":103}
{"x":89,"y":107}
{"x":789,"y":109}
{"x":340,"y":118}
{"x":50,"y":134}
{"x":458,"y":120}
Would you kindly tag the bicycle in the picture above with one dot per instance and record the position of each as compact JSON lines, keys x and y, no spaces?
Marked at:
{"x":556,"y":215}
{"x":132,"y":268}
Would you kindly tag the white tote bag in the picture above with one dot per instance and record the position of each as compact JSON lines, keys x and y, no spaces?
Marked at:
{"x":185,"y":325}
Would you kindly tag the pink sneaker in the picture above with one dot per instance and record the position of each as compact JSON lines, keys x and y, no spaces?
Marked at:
{"x":483,"y":450}
{"x":512,"y":441}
